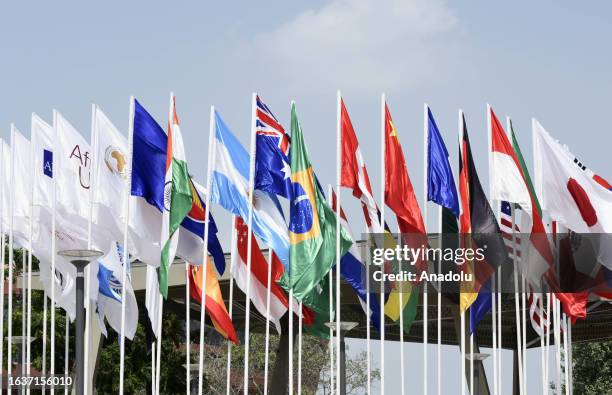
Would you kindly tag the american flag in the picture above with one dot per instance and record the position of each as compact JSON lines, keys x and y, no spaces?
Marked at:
{"x":266,"y":124}
{"x":536,"y":313}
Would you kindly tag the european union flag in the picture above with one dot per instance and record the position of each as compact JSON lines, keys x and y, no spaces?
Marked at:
{"x":441,"y":187}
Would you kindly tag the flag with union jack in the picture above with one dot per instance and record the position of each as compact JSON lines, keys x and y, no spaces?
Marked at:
{"x":272,"y":169}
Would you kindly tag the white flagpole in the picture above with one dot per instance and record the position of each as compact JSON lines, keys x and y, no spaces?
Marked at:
{"x":249,"y":245}
{"x":55,"y":170}
{"x":547,"y":348}
{"x":338,"y":253}
{"x":24,"y":302}
{"x":462,"y":313}
{"x":187,"y":330}
{"x":66,"y":350}
{"x":44,"y":339}
{"x":92,"y":176}
{"x":291,"y":337}
{"x":231,"y":310}
{"x":299,"y":378}
{"x":542,"y":349}
{"x":493,"y":277}
{"x":11,"y":263}
{"x":382,"y":225}
{"x":267,"y":346}
{"x":126,"y":203}
{"x":570,"y":357}
{"x":158,"y":343}
{"x":368,"y":334}
{"x":2,"y":263}
{"x":425,"y":215}
{"x":331,"y":331}
{"x":401,"y":325}
{"x":565,"y":354}
{"x":471,"y":362}
{"x":440,"y":308}
{"x":30,"y":237}
{"x":557,"y":317}
{"x":153,"y":373}
{"x":211,"y":161}
{"x":524,"y":337}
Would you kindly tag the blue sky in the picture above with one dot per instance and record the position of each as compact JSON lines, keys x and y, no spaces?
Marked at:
{"x":544,"y":59}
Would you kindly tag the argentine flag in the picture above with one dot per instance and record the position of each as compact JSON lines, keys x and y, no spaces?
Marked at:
{"x":230,"y":186}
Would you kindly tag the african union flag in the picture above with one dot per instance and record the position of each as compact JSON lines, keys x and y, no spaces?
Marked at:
{"x":312,"y":224}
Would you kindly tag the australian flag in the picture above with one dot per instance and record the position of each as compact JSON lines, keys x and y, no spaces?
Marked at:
{"x":272,"y":169}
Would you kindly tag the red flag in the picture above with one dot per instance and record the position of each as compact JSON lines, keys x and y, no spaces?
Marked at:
{"x":399,"y":193}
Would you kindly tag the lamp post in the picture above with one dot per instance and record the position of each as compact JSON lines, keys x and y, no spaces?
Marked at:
{"x":478,"y":357}
{"x":80,"y":259}
{"x":345,"y":326}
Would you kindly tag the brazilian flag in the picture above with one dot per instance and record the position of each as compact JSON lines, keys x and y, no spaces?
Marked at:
{"x":312,"y":223}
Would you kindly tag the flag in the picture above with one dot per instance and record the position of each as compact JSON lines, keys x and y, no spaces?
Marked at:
{"x":152,"y":304}
{"x":21,"y":188}
{"x":230,"y":187}
{"x":441,"y":187}
{"x":177,"y":196}
{"x":215,"y":307}
{"x":566,"y":192}
{"x":354,"y":272}
{"x":399,"y":194}
{"x":272,"y":169}
{"x":259,"y":276}
{"x":477,"y":223}
{"x":110,"y":290}
{"x":353,"y":173}
{"x":598,"y":179}
{"x":312,"y":224}
{"x":148,"y":175}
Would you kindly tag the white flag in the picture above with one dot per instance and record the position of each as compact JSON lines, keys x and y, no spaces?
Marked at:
{"x":110,"y":272}
{"x":21,"y":188}
{"x":152,"y":298}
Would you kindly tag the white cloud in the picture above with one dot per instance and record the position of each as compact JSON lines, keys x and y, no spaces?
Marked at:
{"x":367,"y":46}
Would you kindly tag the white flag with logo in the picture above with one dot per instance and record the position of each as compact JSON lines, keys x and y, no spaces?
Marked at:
{"x":110,"y":290}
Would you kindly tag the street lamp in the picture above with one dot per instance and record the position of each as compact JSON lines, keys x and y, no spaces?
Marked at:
{"x":345,"y":326}
{"x":80,"y":259}
{"x":478,"y":357}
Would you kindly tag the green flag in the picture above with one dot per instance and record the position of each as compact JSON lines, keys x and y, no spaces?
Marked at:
{"x":519,"y":156}
{"x":312,"y":224}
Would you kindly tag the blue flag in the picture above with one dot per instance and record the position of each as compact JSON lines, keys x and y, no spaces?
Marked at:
{"x":148,"y":175}
{"x":481,"y":306}
{"x":272,"y":169}
{"x":109,"y":285}
{"x":441,"y":187}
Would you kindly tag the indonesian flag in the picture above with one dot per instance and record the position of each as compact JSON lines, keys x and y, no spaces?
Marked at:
{"x":215,"y":307}
{"x":353,"y":173}
{"x":259,"y":278}
{"x":511,"y":185}
{"x":569,"y":194}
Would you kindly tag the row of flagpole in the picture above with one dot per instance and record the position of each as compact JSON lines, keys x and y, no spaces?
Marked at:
{"x":558,"y":317}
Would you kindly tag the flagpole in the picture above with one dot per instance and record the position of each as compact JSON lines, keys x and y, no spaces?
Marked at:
{"x":565,"y":354}
{"x":524,"y":337}
{"x":53,"y":257}
{"x":299,"y":378}
{"x":211,"y":154}
{"x":11,"y":259}
{"x":44,"y":339}
{"x":66,"y":348}
{"x":187,"y":330}
{"x":331,"y":314}
{"x":30,"y":238}
{"x":557,"y":317}
{"x":153,"y":373}
{"x":338,"y":253}
{"x":462,"y":312}
{"x":493,"y":277}
{"x":425,"y":215}
{"x":93,"y":139}
{"x":267,"y":346}
{"x":291,"y":319}
{"x":231,"y":311}
{"x":570,"y":356}
{"x":125,"y":244}
{"x":401,"y":324}
{"x":249,"y":244}
{"x":548,"y":326}
{"x":2,"y":263}
{"x":382,"y":225}
{"x":158,"y":342}
{"x":24,"y":302}
{"x":542,"y":349}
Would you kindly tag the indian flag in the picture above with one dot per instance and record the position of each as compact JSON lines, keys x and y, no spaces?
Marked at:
{"x":177,"y":196}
